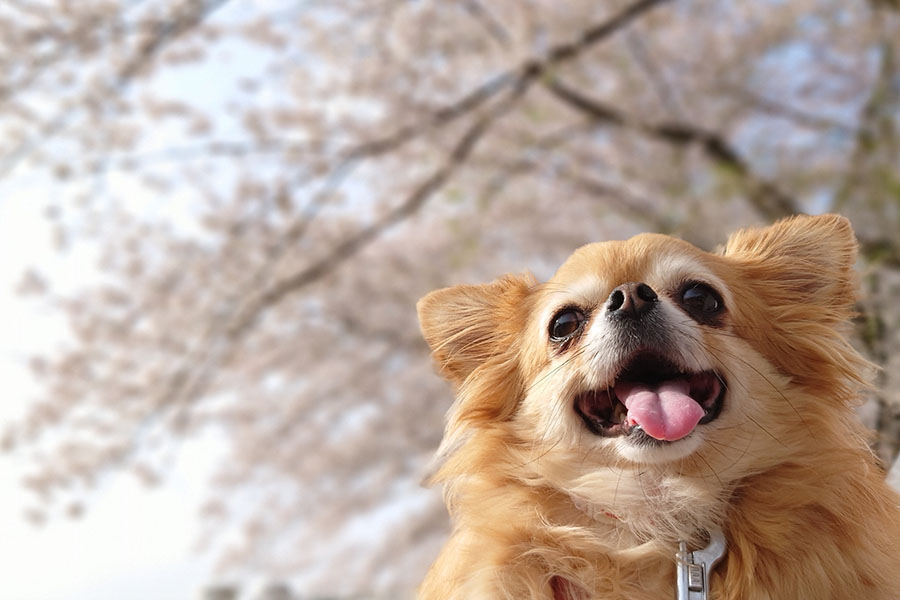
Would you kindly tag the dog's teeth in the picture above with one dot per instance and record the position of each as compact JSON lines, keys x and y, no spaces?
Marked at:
{"x":619,"y":413}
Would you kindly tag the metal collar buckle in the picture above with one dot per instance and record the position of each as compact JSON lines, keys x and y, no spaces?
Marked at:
{"x":693,"y":568}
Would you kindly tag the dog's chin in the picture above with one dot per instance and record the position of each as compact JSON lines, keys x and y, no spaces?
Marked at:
{"x":638,"y":447}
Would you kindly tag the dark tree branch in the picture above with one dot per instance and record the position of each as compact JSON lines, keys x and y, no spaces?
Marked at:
{"x":527,"y":70}
{"x":768,"y":200}
{"x":519,"y":79}
{"x":601,"y":31}
{"x":366,"y":235}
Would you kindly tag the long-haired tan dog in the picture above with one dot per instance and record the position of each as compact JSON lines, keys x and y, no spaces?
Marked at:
{"x":647,"y":393}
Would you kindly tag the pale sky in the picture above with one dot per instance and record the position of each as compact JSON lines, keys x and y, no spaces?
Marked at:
{"x":132,"y":542}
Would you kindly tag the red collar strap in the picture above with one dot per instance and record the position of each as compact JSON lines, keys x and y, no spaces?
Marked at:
{"x":563,"y":589}
{"x":592,"y":511}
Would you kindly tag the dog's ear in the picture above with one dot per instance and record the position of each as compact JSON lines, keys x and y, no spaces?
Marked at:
{"x":803,"y":259}
{"x":795,"y":282}
{"x":467,"y":325}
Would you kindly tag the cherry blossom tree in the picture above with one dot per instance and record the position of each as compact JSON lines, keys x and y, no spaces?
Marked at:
{"x":269,"y":187}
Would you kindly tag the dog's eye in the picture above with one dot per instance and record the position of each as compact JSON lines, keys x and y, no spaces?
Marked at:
{"x":565,"y":324}
{"x":701,"y":300}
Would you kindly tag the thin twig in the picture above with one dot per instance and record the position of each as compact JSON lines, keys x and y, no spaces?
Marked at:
{"x":165,"y":32}
{"x":798,"y":116}
{"x":488,"y":21}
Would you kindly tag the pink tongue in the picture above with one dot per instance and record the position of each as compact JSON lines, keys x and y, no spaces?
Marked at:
{"x":665,"y":412}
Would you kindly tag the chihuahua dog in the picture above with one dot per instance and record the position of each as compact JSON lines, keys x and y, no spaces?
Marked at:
{"x":649,"y":394}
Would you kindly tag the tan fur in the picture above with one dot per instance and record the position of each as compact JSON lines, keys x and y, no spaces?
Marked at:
{"x":543,"y":509}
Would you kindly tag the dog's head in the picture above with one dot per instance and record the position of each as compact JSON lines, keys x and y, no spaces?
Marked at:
{"x":652,"y":352}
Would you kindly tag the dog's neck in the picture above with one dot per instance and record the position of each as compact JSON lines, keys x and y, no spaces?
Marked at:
{"x":669,"y":511}
{"x":692,"y":568}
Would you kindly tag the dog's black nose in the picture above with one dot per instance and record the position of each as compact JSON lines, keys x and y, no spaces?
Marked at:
{"x":631,"y":300}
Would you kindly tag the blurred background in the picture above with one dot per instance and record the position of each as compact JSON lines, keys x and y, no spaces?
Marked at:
{"x":216,"y":217}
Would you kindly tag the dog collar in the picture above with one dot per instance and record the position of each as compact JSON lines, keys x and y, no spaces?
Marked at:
{"x":692,"y":569}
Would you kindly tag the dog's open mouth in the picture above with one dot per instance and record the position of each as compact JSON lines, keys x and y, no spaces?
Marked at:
{"x":651,"y":394}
